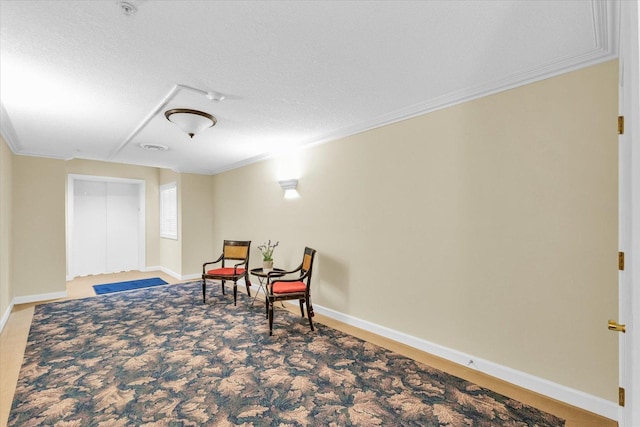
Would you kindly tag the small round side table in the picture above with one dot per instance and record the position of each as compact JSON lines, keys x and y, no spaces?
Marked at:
{"x":262,"y":275}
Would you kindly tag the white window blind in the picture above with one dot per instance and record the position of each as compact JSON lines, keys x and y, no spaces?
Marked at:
{"x":169,"y":211}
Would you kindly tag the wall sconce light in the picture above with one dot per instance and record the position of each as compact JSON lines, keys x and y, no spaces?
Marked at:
{"x":289,"y":187}
{"x":190,"y":121}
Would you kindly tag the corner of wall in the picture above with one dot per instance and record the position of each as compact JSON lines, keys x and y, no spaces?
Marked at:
{"x":6,"y":234}
{"x":5,"y":316}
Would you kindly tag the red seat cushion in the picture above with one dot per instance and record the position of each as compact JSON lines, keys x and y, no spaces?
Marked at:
{"x":224,"y":271}
{"x":288,"y":287}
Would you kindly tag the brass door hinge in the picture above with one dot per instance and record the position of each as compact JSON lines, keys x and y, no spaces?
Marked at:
{"x":620,"y":396}
{"x":620,"y":125}
{"x":612,"y":325}
{"x":620,"y":260}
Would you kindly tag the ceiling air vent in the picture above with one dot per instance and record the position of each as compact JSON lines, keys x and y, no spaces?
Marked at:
{"x":127,"y":8}
{"x":154,"y":147}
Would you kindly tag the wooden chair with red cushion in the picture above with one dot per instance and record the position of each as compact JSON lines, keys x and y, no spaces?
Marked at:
{"x":280,"y":289}
{"x":233,"y":250}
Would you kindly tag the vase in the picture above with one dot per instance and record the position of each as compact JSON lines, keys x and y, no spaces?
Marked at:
{"x":267,"y":265}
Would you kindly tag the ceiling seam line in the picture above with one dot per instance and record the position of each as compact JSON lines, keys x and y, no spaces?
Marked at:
{"x":155,"y":111}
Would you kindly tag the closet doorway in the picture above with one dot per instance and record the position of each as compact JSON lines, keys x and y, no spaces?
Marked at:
{"x":105,"y":225}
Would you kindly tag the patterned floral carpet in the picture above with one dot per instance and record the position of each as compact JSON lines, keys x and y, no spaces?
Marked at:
{"x":159,"y":357}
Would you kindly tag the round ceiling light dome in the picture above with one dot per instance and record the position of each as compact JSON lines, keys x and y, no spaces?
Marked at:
{"x":190,"y":121}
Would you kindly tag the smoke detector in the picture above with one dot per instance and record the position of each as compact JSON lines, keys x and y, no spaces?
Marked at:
{"x":127,"y":8}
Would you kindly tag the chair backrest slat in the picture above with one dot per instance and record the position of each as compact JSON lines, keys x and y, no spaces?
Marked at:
{"x":235,"y":252}
{"x":306,"y":263}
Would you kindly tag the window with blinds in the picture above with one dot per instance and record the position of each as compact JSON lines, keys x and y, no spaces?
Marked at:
{"x":169,"y":211}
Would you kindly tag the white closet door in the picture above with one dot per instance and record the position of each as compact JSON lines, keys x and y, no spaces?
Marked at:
{"x":106,"y":224}
{"x":89,"y":228}
{"x":122,"y":227}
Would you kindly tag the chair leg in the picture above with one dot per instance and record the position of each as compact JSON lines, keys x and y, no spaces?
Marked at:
{"x":204,"y":290}
{"x":235,"y":293}
{"x":301,"y":307}
{"x":270,"y":310}
{"x":222,"y":286}
{"x":310,"y":313}
{"x":247,"y":282}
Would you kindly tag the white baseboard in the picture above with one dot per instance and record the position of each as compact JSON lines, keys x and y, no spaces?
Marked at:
{"x":545,"y":387}
{"x":174,"y":274}
{"x":5,"y":316}
{"x":164,"y":270}
{"x":38,"y":298}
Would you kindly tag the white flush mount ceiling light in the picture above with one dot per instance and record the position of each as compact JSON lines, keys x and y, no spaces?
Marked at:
{"x":190,"y":121}
{"x":289,"y":186}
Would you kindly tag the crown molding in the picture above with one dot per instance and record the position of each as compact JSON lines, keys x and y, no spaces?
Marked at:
{"x":8,"y":132}
{"x":605,"y":19}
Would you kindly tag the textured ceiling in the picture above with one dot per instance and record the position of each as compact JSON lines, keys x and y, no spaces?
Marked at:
{"x":80,"y":79}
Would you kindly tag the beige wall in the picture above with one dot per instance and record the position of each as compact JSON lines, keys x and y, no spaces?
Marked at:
{"x":38,"y":226}
{"x":489,"y":227}
{"x":197,"y":226}
{"x":6,"y":207}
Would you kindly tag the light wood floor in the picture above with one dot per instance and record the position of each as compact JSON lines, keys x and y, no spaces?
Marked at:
{"x":13,"y":341}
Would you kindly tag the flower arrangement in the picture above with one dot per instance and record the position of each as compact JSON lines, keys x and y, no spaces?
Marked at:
{"x":267,"y":250}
